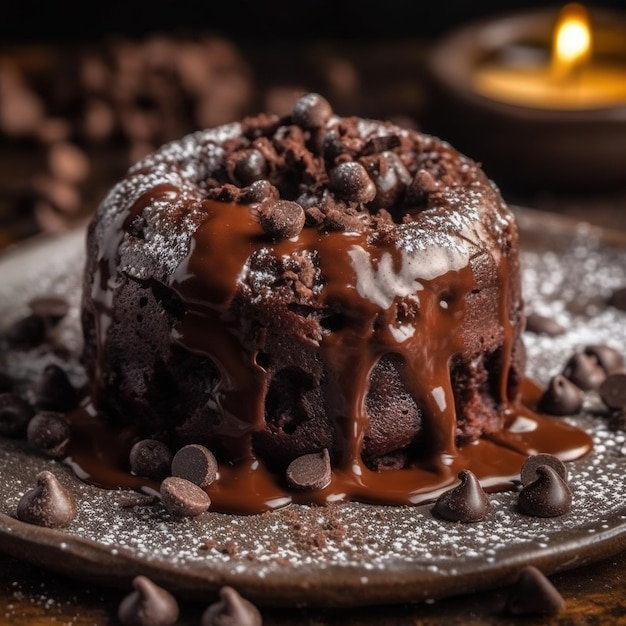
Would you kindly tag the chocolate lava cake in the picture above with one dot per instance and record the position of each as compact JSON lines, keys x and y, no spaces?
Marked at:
{"x":313,"y":287}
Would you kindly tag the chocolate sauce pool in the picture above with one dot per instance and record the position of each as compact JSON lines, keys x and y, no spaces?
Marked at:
{"x":365,"y":280}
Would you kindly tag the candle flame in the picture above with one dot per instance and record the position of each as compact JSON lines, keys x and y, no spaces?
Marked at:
{"x":572,"y":40}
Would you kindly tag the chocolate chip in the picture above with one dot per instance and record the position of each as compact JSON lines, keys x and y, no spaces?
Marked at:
{"x":533,"y":594}
{"x":311,"y":111}
{"x":54,"y":390}
{"x":618,"y":299}
{"x":310,"y":471}
{"x":231,"y":609}
{"x":182,"y":498}
{"x":610,"y":359}
{"x":561,"y":397}
{"x":49,"y":432}
{"x":464,"y":503}
{"x":48,"y":504}
{"x":248,"y":166}
{"x":195,"y":463}
{"x":150,"y":458}
{"x":584,"y":371}
{"x":547,"y":496}
{"x":281,"y":218}
{"x":613,"y":390}
{"x":27,"y":332}
{"x":52,"y":309}
{"x":148,"y":605}
{"x":528,"y":472}
{"x":542,"y":325}
{"x":617,"y":420}
{"x":350,"y":181}
{"x":15,"y":413}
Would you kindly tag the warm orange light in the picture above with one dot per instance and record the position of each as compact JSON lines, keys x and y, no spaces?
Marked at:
{"x":572,"y":41}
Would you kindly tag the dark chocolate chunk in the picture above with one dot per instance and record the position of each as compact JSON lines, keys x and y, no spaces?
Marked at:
{"x":584,"y":371}
{"x":281,"y":218}
{"x":617,"y":420}
{"x":350,"y":181}
{"x":547,"y":496}
{"x":542,"y":325}
{"x":27,"y":332}
{"x":259,"y":191}
{"x":311,"y":111}
{"x":528,"y":472}
{"x":231,"y":610}
{"x":51,"y":309}
{"x":248,"y":166}
{"x":467,"y":502}
{"x":54,"y":390}
{"x":48,"y":504}
{"x":15,"y":413}
{"x":195,"y":463}
{"x":613,"y":390}
{"x":610,"y":359}
{"x":150,"y":458}
{"x":561,"y":397}
{"x":533,"y":594}
{"x":617,"y":299}
{"x":310,"y":471}
{"x":148,"y":605}
{"x":49,"y":432}
{"x":182,"y":498}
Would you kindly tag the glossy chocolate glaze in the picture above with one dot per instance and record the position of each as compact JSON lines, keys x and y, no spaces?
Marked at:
{"x":365,"y":278}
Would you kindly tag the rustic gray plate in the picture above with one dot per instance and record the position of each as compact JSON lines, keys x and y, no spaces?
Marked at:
{"x":348,"y":554}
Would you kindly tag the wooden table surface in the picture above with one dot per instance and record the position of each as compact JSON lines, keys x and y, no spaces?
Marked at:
{"x":594,"y":594}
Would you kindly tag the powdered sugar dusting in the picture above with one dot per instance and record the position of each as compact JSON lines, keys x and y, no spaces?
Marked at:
{"x":366,"y":543}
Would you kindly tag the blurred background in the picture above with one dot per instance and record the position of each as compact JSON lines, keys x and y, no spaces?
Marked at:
{"x":88,"y":88}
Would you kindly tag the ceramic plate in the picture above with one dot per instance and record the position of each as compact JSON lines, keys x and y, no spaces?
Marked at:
{"x":346,"y":554}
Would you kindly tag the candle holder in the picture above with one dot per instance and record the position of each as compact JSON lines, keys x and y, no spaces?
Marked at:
{"x":526,"y":147}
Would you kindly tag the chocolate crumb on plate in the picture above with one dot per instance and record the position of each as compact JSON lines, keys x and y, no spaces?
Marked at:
{"x":467,"y":502}
{"x":182,"y":498}
{"x":195,"y":463}
{"x":231,"y":610}
{"x":47,"y":504}
{"x":547,"y":496}
{"x":528,"y":473}
{"x":561,"y":397}
{"x":543,"y":325}
{"x":148,"y":605}
{"x":533,"y":594}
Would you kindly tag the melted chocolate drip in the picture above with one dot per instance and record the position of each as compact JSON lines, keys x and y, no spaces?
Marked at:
{"x":349,"y":264}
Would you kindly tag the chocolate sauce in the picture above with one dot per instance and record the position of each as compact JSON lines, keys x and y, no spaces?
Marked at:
{"x":366,"y":279}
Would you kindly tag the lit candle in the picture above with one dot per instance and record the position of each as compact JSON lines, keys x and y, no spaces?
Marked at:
{"x":571,"y":79}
